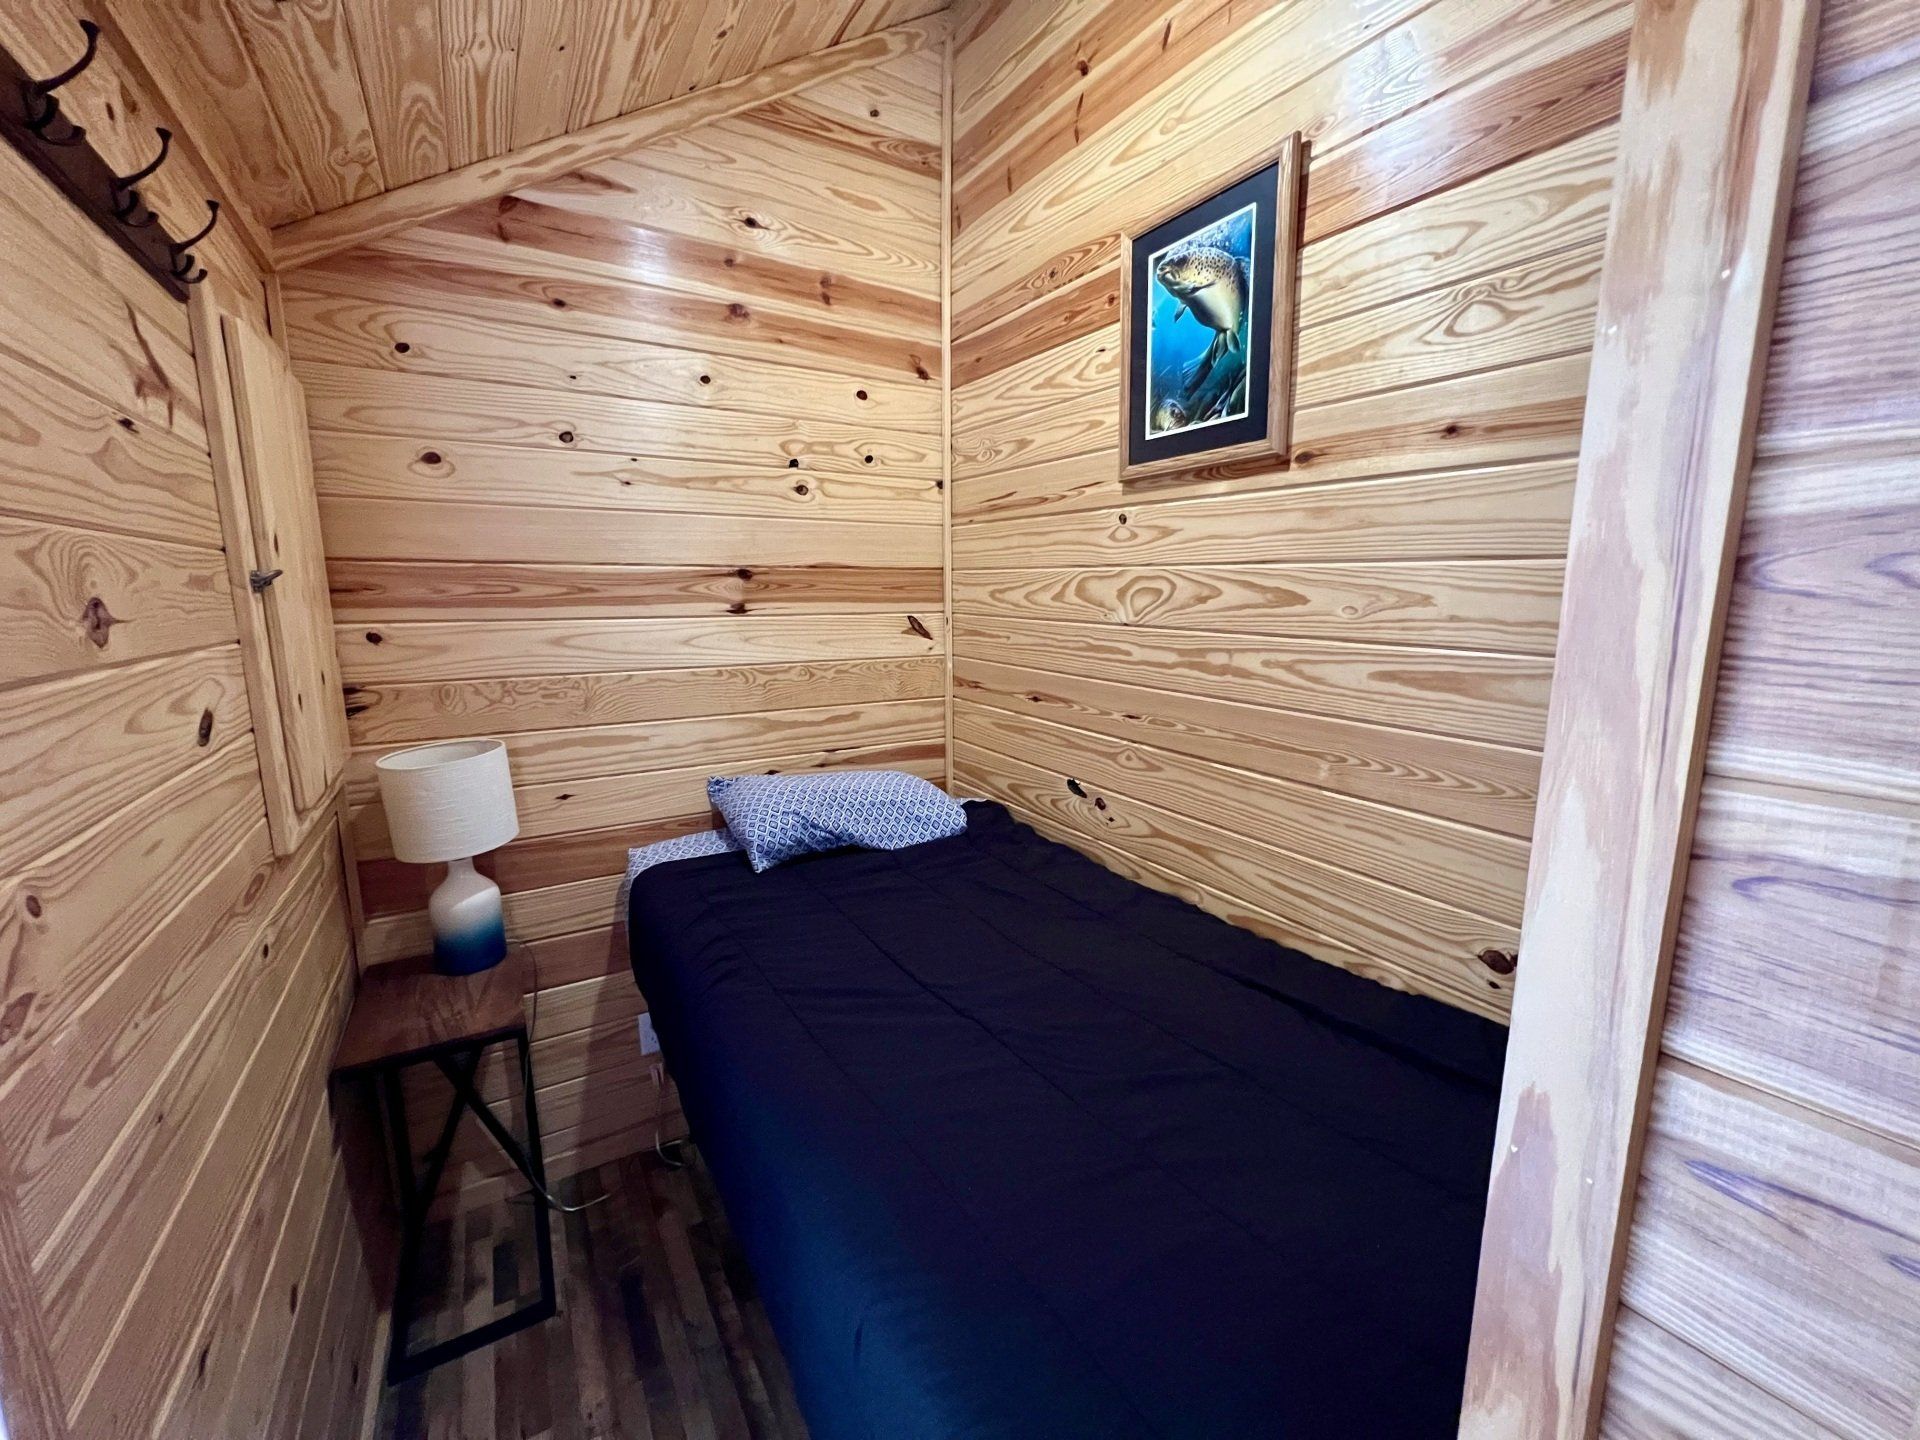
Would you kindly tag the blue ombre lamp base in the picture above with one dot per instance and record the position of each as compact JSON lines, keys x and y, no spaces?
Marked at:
{"x":469,"y":928}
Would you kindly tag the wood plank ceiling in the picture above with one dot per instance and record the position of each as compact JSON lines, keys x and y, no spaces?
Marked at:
{"x":324,"y":102}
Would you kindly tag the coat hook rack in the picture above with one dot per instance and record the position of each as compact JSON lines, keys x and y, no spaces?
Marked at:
{"x":127,"y":208}
{"x":32,"y":121}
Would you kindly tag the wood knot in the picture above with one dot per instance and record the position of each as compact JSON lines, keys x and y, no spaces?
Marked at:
{"x":97,"y":620}
{"x":13,"y":1019}
{"x":915,"y":624}
{"x":1076,"y":788}
{"x":429,"y":457}
{"x":1500,"y":962}
{"x":205,"y":732}
{"x":34,"y":907}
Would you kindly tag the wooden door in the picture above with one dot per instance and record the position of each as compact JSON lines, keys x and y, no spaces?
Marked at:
{"x":270,"y":413}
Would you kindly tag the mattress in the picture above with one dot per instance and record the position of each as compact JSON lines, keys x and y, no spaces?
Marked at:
{"x":1018,"y":1148}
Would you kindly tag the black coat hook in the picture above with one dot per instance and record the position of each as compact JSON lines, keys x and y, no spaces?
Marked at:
{"x":126,"y":199}
{"x":43,"y":110}
{"x":179,"y":249}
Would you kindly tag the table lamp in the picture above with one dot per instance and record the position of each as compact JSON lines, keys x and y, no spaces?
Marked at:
{"x":451,"y":802}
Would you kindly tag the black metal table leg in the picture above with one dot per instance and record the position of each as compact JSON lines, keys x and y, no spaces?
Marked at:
{"x":459,"y":1066}
{"x":469,"y":1063}
{"x":402,"y":1317}
{"x":542,"y":1221}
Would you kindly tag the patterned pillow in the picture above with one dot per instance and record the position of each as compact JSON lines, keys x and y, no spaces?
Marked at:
{"x":680,"y":847}
{"x":779,"y":817}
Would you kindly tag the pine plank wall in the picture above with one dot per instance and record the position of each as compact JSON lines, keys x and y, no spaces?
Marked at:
{"x":179,"y":1255}
{"x":640,"y":468}
{"x":1772,"y":1285}
{"x":1311,"y":700}
{"x":644,"y":468}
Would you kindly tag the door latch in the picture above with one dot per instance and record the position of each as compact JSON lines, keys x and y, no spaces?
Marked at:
{"x":261,"y":579}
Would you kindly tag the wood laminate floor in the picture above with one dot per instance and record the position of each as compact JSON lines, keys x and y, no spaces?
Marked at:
{"x":660,"y":1334}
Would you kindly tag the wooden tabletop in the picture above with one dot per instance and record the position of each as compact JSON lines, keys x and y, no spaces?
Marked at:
{"x":406,"y":1008}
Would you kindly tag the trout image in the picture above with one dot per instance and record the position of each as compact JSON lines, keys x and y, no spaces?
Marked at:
{"x":1212,"y":285}
{"x":1198,"y":323}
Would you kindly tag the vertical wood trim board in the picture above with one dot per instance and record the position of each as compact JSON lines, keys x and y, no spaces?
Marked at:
{"x":946,"y":390}
{"x":1778,"y":1201}
{"x":1709,"y":141}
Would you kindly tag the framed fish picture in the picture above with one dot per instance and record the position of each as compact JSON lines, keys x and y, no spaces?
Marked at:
{"x":1207,"y":319}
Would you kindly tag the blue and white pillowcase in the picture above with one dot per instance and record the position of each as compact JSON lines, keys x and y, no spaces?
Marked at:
{"x":680,"y":847}
{"x":780,"y":817}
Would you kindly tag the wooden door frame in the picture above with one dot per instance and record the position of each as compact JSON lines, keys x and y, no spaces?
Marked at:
{"x":1709,"y":145}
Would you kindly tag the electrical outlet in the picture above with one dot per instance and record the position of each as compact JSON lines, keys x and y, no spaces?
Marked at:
{"x":649,"y":1042}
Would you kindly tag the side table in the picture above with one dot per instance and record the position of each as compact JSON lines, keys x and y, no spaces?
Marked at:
{"x":406,"y":1014}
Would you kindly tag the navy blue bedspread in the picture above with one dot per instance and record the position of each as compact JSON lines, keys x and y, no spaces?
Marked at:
{"x":1016,"y":1147}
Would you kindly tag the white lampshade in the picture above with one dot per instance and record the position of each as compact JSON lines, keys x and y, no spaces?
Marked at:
{"x":448,"y":802}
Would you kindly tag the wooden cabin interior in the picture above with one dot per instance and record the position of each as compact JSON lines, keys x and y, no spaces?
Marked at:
{"x":1303,"y":617}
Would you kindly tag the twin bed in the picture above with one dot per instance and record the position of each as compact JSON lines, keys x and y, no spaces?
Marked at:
{"x":1017,"y":1148}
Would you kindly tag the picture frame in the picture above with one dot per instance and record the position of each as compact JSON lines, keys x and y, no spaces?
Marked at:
{"x":1187,"y":323}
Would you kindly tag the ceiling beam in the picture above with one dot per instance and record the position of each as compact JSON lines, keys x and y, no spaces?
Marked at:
{"x":302,"y":242}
